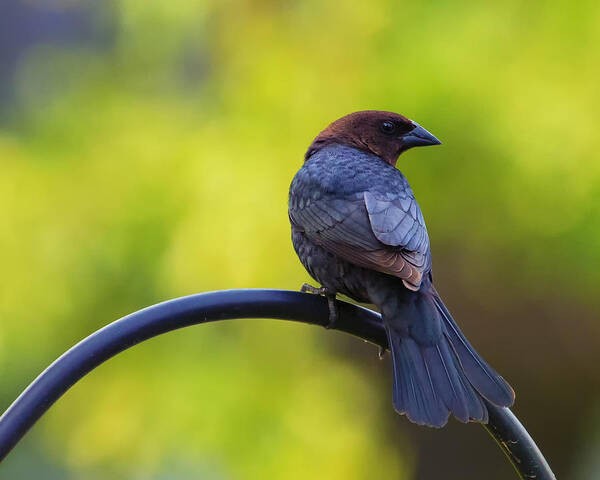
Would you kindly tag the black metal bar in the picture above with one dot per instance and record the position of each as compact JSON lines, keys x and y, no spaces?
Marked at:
{"x":51,"y":384}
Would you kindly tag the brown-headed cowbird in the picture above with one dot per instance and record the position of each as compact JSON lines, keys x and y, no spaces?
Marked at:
{"x":358,"y":230}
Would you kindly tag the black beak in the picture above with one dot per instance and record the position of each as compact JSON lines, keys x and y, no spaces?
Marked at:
{"x":419,"y":137}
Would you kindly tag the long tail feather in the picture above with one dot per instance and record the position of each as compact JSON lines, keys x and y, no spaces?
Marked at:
{"x":483,"y":377}
{"x":436,"y":370}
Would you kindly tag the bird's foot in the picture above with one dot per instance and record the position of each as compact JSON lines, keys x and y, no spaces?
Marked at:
{"x":381,"y":353}
{"x":306,"y":288}
{"x":333,"y":313}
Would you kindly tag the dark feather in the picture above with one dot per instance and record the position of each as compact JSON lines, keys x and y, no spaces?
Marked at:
{"x":431,"y":380}
{"x":348,"y":229}
{"x":483,"y":377}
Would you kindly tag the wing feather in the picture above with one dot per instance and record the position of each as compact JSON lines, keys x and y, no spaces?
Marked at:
{"x":383,"y":232}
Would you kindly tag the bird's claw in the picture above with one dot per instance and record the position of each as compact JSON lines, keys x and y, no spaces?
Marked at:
{"x":306,"y":288}
{"x":381,"y":353}
{"x":333,"y":313}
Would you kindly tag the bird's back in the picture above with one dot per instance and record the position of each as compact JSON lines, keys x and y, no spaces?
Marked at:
{"x":340,"y":170}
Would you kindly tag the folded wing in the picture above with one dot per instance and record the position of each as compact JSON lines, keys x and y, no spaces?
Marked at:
{"x":383,"y":232}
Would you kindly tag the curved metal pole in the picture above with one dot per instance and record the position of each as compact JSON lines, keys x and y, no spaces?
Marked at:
{"x":51,"y":384}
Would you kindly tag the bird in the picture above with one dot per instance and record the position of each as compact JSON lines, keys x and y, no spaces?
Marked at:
{"x":358,"y":230}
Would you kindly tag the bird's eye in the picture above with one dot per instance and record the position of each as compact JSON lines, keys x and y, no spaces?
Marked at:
{"x":388,"y":127}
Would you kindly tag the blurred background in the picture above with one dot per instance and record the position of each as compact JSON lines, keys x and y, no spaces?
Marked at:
{"x":146,"y":149}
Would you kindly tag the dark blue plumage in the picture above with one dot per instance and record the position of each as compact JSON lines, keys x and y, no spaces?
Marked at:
{"x":359,"y":231}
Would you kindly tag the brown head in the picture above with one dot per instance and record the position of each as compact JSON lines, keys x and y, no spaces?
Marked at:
{"x":386,"y":134}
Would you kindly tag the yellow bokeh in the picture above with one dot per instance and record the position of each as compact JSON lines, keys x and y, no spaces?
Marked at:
{"x":154,"y":160}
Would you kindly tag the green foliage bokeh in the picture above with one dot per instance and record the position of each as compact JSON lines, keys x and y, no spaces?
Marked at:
{"x":159,"y":167}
